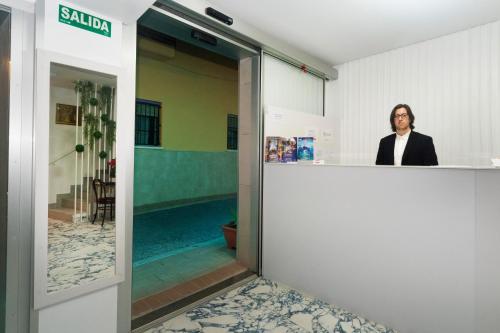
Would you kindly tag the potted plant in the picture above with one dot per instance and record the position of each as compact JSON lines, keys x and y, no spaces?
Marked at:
{"x":230,"y":231}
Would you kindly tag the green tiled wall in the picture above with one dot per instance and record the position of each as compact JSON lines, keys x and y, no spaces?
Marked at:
{"x":163,"y":176}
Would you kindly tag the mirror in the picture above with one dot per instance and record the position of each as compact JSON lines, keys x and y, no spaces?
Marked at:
{"x":82,"y":171}
{"x":78,"y":233}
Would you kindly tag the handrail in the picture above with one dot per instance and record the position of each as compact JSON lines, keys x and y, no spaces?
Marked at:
{"x":63,"y":156}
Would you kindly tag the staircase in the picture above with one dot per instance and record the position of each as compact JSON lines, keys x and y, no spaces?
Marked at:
{"x":63,"y":209}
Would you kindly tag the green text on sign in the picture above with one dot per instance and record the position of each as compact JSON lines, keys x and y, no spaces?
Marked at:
{"x":84,"y":21}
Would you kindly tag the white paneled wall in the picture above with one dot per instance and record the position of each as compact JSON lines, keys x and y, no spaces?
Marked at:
{"x":452,"y":84}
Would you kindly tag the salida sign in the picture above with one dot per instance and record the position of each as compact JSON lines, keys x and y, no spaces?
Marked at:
{"x":84,"y":21}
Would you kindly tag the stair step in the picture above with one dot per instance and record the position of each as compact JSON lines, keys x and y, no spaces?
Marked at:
{"x":78,"y":188}
{"x":79,"y":194}
{"x":66,"y":200}
{"x":61,"y":214}
{"x":66,"y":214}
{"x":62,"y":199}
{"x":70,"y":203}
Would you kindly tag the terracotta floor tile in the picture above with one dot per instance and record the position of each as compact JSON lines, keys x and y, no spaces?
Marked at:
{"x":186,"y":289}
{"x":154,"y":302}
{"x":140,"y":307}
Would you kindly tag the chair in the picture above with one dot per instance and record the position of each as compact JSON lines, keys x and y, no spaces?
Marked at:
{"x":103,"y":198}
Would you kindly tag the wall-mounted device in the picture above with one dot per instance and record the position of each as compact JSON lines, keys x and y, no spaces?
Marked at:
{"x":219,"y":16}
{"x":204,"y":37}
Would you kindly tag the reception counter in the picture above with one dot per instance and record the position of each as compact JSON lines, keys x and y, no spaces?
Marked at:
{"x":417,"y":249}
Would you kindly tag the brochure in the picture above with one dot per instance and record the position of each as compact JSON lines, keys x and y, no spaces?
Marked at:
{"x":305,"y":148}
{"x":274,"y":149}
{"x":290,"y":150}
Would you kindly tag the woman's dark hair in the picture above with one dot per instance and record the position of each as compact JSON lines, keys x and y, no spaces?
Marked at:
{"x":408,"y":110}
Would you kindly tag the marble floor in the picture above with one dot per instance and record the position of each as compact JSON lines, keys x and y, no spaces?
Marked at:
{"x":79,"y":253}
{"x":265,"y":306}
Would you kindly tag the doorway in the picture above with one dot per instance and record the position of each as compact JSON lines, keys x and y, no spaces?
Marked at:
{"x":4,"y":152}
{"x":196,"y":164}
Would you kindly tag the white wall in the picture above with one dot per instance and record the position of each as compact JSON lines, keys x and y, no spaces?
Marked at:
{"x":334,"y":118}
{"x":94,"y":313}
{"x":413,"y":248}
{"x":62,"y":141}
{"x":451,"y":83}
{"x":55,"y":36}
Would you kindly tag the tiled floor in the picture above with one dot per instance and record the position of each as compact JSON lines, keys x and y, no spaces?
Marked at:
{"x":157,"y":276}
{"x":79,"y":253}
{"x":185,"y":289}
{"x":266,"y":306}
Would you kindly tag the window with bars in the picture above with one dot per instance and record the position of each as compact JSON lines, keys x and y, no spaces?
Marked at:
{"x":232,"y":131}
{"x":147,"y":123}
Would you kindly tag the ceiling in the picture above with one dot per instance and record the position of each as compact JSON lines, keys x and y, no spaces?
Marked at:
{"x":338,"y":31}
{"x":127,"y":11}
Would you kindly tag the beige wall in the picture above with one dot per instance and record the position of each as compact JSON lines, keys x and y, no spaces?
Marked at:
{"x":197,"y":91}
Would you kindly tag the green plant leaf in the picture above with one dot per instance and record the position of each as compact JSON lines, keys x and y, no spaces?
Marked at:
{"x":90,"y":126}
{"x":80,"y":148}
{"x":105,"y":95}
{"x":110,"y":133}
{"x":86,"y":89}
{"x":97,"y":135}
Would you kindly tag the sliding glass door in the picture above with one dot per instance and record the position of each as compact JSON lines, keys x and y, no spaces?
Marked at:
{"x":196,"y":188}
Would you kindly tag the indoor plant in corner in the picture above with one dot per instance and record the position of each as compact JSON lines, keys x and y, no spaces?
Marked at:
{"x":230,"y":231}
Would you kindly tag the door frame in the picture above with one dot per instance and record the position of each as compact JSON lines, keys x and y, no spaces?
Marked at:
{"x":5,"y":41}
{"x":20,"y":317}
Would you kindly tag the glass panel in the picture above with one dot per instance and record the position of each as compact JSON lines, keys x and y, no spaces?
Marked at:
{"x":289,"y":87}
{"x":82,"y":169}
